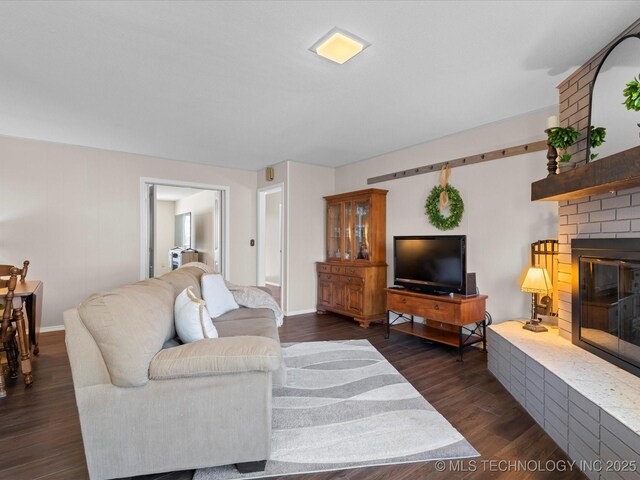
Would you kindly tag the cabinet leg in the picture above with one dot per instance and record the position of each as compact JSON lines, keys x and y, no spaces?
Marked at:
{"x":388,"y":326}
{"x":459,"y":345}
{"x":363,"y":323}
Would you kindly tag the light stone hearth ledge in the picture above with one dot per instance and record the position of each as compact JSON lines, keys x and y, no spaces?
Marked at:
{"x":614,"y":390}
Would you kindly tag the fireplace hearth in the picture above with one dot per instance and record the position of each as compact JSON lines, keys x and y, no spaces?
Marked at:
{"x":606,"y":299}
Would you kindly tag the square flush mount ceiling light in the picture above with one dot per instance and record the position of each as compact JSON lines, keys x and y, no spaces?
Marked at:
{"x":339,"y":46}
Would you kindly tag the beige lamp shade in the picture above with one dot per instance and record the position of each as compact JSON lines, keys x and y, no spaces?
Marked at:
{"x":537,"y":281}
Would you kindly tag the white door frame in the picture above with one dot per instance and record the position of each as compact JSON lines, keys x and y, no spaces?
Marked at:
{"x":144,"y":213}
{"x":261,"y":210}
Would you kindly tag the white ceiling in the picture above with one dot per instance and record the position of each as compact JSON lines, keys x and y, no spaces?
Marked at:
{"x":233,"y":84}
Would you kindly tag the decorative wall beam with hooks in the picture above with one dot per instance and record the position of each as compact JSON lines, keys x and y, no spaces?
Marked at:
{"x":461,"y":162}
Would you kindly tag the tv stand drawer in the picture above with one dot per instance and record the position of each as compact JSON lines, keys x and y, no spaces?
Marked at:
{"x":422,"y":307}
{"x":436,"y":310}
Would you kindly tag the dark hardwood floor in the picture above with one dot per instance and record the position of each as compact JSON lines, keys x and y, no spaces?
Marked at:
{"x":40,"y":431}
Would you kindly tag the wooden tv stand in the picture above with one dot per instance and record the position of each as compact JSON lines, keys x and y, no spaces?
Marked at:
{"x":446,"y":317}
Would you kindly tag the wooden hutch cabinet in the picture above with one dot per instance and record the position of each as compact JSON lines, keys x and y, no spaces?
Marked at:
{"x":352,"y":279}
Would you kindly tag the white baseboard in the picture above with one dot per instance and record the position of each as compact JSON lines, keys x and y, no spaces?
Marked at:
{"x":53,"y":328}
{"x":273,"y":284}
{"x":300,"y":312}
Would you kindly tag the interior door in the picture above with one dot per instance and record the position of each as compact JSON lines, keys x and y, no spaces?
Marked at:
{"x":217,"y":231}
{"x":151,"y":228}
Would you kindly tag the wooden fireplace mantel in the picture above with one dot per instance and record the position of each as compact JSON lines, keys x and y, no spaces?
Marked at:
{"x":615,"y":172}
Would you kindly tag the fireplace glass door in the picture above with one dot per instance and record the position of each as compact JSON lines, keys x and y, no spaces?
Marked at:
{"x":629,"y":311}
{"x":610,"y":306}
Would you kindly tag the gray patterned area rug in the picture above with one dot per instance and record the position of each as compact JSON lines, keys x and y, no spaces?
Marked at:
{"x":344,"y":406}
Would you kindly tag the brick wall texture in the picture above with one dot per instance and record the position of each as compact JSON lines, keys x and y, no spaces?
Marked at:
{"x":611,"y":215}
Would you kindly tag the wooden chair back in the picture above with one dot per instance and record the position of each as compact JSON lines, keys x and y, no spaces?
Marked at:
{"x":5,"y":271}
{"x":10,"y":284}
{"x":7,"y":330}
{"x":12,"y":323}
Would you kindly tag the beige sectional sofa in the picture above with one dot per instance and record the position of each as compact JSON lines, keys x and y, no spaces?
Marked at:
{"x":148,"y":404}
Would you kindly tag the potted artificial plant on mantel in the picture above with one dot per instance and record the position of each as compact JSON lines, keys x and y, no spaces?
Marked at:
{"x":596,"y":138}
{"x":632,"y":95}
{"x":561,"y":138}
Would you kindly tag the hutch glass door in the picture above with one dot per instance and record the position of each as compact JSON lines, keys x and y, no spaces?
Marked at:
{"x":334,"y":232}
{"x":361,"y":227}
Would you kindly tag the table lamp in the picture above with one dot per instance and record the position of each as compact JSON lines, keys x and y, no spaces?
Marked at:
{"x":536,"y":281}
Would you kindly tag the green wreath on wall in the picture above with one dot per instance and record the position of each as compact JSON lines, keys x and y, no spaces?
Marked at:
{"x":456,"y":208}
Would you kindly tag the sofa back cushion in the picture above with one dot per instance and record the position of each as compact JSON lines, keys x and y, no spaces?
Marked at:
{"x":130,"y":324}
{"x":186,"y":276}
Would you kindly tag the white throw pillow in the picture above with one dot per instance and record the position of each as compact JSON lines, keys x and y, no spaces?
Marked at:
{"x":218,"y":297}
{"x":192,"y":318}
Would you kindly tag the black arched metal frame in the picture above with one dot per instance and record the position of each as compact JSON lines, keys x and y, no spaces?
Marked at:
{"x":593,"y":84}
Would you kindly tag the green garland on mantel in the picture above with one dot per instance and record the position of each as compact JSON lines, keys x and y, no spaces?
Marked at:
{"x":456,"y":208}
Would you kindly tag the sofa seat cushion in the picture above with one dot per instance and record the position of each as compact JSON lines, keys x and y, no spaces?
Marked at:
{"x":130,"y":324}
{"x":217,"y":356}
{"x":244,"y":313}
{"x":256,"y":326}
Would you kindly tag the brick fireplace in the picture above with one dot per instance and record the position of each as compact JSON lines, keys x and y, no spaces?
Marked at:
{"x":599,"y":207}
{"x":611,"y":215}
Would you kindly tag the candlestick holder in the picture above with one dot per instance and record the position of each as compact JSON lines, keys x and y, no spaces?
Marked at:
{"x":552,"y":155}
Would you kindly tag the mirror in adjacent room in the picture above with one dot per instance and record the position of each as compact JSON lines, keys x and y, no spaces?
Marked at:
{"x":621,"y":65}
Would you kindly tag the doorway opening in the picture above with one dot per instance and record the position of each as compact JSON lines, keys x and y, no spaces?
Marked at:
{"x":182,"y":223}
{"x":270,"y":271}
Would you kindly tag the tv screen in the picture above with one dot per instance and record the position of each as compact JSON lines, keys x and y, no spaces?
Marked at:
{"x":430,"y":264}
{"x":183,"y":230}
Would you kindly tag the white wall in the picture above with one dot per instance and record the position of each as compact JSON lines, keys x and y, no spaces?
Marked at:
{"x":165,"y":235}
{"x":307,"y":184}
{"x":204,"y":223}
{"x":500,"y":220}
{"x":75,"y":213}
{"x":272,"y":237}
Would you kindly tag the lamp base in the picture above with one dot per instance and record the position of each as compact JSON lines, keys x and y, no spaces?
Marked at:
{"x":535,"y":327}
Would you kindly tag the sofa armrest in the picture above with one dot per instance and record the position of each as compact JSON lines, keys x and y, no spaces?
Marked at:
{"x":216,"y":356}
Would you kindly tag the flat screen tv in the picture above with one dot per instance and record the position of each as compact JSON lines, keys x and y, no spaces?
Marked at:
{"x":183,"y":230}
{"x":430,"y":264}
